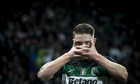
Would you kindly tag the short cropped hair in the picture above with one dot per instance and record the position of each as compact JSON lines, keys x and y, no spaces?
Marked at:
{"x":83,"y":28}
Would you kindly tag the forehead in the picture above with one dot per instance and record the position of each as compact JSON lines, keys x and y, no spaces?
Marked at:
{"x":82,"y":37}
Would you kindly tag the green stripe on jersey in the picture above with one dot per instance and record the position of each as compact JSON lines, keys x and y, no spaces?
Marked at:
{"x":96,"y":71}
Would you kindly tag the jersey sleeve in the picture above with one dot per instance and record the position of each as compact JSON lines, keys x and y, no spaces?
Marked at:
{"x":58,"y":73}
{"x":110,"y":58}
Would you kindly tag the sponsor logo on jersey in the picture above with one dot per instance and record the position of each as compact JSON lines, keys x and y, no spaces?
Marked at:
{"x":94,"y":71}
{"x":81,"y":81}
{"x":83,"y":71}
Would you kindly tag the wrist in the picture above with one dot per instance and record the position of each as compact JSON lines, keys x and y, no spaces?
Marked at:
{"x":68,"y":56}
{"x":96,"y":57}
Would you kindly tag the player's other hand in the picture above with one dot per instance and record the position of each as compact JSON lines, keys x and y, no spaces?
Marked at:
{"x":74,"y":52}
{"x":89,"y":53}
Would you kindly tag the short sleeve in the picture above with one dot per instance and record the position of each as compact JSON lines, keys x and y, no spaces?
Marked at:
{"x":110,"y":58}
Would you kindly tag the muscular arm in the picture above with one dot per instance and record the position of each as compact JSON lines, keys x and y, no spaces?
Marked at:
{"x":49,"y":69}
{"x":118,"y":71}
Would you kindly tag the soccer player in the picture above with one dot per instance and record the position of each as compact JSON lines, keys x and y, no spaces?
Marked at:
{"x":83,"y":64}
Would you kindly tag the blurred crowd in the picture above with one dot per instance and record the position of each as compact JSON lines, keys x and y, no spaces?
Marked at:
{"x":44,"y":32}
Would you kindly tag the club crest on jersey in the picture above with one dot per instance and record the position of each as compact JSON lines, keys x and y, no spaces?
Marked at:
{"x":94,"y":71}
{"x":83,"y":71}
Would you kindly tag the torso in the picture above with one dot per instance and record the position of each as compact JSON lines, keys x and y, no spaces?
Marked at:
{"x":84,"y":72}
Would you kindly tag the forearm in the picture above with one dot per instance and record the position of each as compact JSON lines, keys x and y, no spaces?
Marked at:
{"x":49,"y":69}
{"x":118,"y":71}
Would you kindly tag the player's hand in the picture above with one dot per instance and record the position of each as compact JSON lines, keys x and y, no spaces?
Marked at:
{"x":89,"y":53}
{"x":74,"y":52}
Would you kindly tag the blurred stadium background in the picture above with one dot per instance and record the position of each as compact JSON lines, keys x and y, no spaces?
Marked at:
{"x":35,"y":32}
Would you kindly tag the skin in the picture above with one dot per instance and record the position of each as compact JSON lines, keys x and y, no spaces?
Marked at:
{"x":83,"y":49}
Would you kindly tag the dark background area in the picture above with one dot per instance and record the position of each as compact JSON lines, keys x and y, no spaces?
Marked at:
{"x":28,"y":35}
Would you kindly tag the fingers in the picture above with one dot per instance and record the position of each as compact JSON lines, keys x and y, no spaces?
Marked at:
{"x":85,"y":49}
{"x":77,"y":56}
{"x":93,"y":43}
{"x":78,"y":51}
{"x":80,"y":47}
{"x":85,"y":54}
{"x":80,"y":57}
{"x":81,"y":51}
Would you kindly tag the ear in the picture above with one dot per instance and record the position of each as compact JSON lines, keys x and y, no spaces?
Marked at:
{"x":73,"y":42}
{"x":94,"y":41}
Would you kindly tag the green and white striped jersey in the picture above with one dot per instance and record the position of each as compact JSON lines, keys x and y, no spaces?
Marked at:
{"x":83,"y":72}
